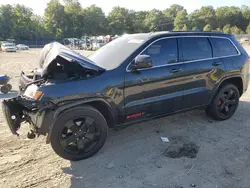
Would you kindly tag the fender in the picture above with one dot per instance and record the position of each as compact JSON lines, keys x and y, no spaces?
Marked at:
{"x":216,"y":88}
{"x":63,"y":106}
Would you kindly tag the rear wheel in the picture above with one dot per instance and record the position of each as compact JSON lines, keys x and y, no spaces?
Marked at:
{"x":4,"y":89}
{"x":79,"y":133}
{"x":225,"y":103}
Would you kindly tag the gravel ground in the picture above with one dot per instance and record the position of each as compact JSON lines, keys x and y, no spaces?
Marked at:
{"x":216,"y":154}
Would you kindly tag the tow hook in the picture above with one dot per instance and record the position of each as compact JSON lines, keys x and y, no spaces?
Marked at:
{"x":31,"y":135}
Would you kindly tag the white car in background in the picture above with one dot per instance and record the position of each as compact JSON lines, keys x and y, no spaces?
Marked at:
{"x":8,"y":47}
{"x":244,"y":39}
{"x":22,"y":47}
{"x":98,"y":44}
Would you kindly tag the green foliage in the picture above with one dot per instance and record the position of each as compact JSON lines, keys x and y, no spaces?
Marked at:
{"x":248,"y":29}
{"x":152,"y":20}
{"x":8,"y":21}
{"x":194,"y":29}
{"x":172,"y":11}
{"x":208,"y":27}
{"x":92,"y":26}
{"x":185,"y":28}
{"x":180,"y":20}
{"x":67,"y":18}
{"x":236,"y":30}
{"x":120,"y":20}
{"x":219,"y":30}
{"x":230,"y":15}
{"x":139,"y":21}
{"x":55,"y":18}
{"x":227,"y":28}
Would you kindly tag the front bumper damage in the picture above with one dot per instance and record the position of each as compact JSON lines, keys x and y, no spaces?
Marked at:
{"x":37,"y":114}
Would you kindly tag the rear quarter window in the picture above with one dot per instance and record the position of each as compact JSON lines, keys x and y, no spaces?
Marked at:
{"x":223,"y":47}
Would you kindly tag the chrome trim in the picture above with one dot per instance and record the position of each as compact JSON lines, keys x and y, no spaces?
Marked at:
{"x":239,"y":53}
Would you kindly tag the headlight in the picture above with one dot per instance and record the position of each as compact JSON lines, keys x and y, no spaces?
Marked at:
{"x":32,"y":92}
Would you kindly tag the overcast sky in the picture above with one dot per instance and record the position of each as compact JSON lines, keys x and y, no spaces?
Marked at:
{"x":38,"y":6}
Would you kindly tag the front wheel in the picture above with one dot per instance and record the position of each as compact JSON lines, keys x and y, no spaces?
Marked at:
{"x":79,"y":133}
{"x":225,"y":103}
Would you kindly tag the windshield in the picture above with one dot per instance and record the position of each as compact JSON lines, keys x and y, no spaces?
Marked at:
{"x":114,"y":53}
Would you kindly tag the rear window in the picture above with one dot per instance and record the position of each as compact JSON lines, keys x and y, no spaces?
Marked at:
{"x":195,"y":48}
{"x":223,"y":47}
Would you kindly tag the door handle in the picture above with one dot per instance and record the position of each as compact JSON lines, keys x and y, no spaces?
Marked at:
{"x":217,"y":63}
{"x":175,"y":70}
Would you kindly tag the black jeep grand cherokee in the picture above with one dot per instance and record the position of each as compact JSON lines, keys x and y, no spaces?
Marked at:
{"x":73,"y":100}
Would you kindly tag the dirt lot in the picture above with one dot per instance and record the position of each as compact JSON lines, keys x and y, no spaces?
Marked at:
{"x":134,"y":157}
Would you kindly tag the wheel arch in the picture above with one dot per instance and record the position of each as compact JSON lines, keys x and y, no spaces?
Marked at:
{"x":100,"y":104}
{"x":235,"y":80}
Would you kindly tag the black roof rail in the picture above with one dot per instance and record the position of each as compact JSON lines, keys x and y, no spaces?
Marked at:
{"x":196,"y":31}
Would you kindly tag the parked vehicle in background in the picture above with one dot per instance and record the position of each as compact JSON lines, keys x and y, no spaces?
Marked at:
{"x":73,"y":100}
{"x":244,"y":39}
{"x":8,"y":47}
{"x":96,"y":44}
{"x":22,"y":47}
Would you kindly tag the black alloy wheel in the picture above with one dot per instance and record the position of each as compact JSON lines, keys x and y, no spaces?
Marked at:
{"x":225,"y":102}
{"x":79,"y":133}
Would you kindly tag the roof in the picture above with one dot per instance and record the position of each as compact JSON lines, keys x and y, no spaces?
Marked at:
{"x":174,"y":33}
{"x":187,"y":32}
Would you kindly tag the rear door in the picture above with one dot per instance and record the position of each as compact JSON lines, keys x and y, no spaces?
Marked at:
{"x":202,"y":70}
{"x":157,"y":90}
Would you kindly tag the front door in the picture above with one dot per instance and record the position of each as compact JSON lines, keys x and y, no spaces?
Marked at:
{"x":157,"y":90}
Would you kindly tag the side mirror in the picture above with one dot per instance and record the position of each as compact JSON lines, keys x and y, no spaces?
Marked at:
{"x":141,"y":62}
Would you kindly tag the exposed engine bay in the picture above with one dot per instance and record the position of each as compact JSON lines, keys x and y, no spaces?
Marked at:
{"x":57,"y":63}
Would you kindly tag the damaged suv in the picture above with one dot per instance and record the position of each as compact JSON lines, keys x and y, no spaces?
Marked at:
{"x":73,"y":100}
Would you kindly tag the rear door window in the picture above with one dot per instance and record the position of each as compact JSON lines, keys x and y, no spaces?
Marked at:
{"x":163,"y":52}
{"x":223,"y":47}
{"x":196,"y":48}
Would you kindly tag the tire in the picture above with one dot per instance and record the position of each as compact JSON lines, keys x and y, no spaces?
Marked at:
{"x":9,"y":86}
{"x":4,"y":89}
{"x":68,"y":116}
{"x":215,"y":109}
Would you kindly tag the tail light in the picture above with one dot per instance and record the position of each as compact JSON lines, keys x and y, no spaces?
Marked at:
{"x":248,"y":60}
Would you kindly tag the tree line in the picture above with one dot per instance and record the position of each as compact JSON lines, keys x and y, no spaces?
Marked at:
{"x":70,"y":19}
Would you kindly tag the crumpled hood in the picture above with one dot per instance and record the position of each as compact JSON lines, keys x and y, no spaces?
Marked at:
{"x":52,"y":50}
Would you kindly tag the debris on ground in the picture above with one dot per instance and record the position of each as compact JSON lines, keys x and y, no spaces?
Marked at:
{"x":110,"y":165}
{"x":248,"y":148}
{"x":164,"y":139}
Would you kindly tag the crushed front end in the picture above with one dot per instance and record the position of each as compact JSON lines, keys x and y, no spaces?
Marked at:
{"x":21,"y":109}
{"x":40,"y":89}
